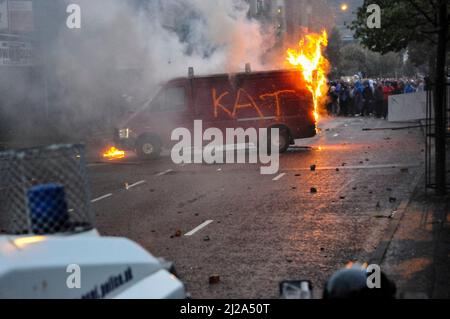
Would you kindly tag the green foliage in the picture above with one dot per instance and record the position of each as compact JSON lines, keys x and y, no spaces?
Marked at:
{"x":402,"y":22}
{"x":420,"y":55}
{"x":333,"y":52}
{"x":410,"y":25}
{"x":356,"y":58}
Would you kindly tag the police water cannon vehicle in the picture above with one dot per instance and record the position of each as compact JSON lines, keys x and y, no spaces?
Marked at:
{"x":49,"y":247}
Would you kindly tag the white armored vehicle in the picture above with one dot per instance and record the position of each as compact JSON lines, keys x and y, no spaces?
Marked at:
{"x":49,"y":247}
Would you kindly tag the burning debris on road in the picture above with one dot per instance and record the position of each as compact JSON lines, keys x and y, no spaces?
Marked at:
{"x":114,"y":154}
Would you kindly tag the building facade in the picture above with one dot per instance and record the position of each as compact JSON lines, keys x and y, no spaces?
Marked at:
{"x":19,"y":70}
{"x":291,"y":17}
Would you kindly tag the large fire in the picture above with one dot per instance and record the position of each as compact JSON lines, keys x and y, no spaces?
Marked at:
{"x":113,"y":154}
{"x":310,"y":60}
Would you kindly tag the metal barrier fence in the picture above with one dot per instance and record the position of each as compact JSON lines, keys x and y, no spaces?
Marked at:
{"x":44,"y":191}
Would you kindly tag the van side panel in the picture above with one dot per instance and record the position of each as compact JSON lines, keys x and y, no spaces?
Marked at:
{"x":255,"y":100}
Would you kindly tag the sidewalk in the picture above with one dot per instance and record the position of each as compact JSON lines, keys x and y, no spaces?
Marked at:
{"x":418,"y":256}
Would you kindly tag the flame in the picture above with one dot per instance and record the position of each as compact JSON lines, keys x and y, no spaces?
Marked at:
{"x":114,"y":153}
{"x":311,"y":61}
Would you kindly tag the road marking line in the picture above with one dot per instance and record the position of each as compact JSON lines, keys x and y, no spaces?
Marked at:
{"x":101,"y":198}
{"x":198,"y":228}
{"x":127,"y":187}
{"x":279,"y":177}
{"x":343,"y":187}
{"x":165,"y":172}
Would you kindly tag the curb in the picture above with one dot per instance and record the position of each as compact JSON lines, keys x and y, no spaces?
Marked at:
{"x":378,"y":255}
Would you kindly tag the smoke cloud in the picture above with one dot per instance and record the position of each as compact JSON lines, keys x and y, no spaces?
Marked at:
{"x":163,"y":38}
{"x":125,"y":49}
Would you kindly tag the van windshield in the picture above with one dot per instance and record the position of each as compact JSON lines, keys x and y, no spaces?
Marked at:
{"x":169,"y":99}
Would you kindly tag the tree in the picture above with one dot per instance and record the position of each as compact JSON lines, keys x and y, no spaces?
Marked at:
{"x":404,"y":22}
{"x":420,"y":56}
{"x":356,"y":58}
{"x":353,"y":59}
{"x":333,"y":52}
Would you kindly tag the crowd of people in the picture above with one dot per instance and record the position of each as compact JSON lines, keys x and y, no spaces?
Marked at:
{"x":367,"y":97}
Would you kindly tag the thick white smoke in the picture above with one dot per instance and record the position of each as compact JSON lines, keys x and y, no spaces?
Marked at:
{"x":166,"y":37}
{"x":126,"y":48}
{"x":158,"y":39}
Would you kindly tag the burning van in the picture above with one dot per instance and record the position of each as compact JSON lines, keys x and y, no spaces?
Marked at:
{"x":271,"y":99}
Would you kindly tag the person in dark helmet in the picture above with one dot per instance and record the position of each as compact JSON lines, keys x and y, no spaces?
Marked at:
{"x":368,"y":100}
{"x":333,"y":108}
{"x":358,"y":100}
{"x":396,"y":88}
{"x":351,"y":283}
{"x":379,"y":99}
{"x":344,"y":100}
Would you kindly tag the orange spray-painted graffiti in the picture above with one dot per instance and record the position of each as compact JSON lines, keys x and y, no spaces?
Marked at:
{"x":217,"y":103}
{"x":244,"y":100}
{"x":277,"y":96}
{"x":252,"y":104}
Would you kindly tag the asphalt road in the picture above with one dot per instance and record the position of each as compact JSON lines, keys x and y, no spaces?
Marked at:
{"x":256,"y":230}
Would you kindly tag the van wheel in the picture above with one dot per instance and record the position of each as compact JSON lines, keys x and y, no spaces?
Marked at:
{"x":283,"y":141}
{"x":148,"y":148}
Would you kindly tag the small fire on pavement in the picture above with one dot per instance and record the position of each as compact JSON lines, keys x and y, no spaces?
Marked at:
{"x":113,"y":154}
